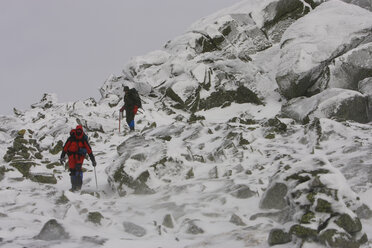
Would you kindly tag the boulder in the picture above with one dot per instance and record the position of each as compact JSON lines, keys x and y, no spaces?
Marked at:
{"x":219,"y":98}
{"x":52,"y":230}
{"x":332,"y":103}
{"x":334,"y":238}
{"x":363,"y":212}
{"x":241,"y":191}
{"x":349,"y":224}
{"x":274,"y":197}
{"x":213,"y":173}
{"x":46,"y":178}
{"x":95,"y":217}
{"x":57,"y":148}
{"x":303,"y":232}
{"x":310,"y":44}
{"x":94,"y":240}
{"x":134,"y":229}
{"x":278,"y":237}
{"x":192,"y":228}
{"x":47,"y":101}
{"x":365,"y":87}
{"x":349,"y":69}
{"x":366,"y":4}
{"x":235,"y":219}
{"x":168,"y":221}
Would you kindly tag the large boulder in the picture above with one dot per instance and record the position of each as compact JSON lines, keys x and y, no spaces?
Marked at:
{"x":310,"y":44}
{"x":331,"y":103}
{"x":351,"y":68}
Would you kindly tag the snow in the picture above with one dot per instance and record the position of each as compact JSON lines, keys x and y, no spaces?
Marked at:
{"x":206,"y":201}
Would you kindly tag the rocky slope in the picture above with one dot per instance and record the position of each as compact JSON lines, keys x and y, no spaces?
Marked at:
{"x":255,"y":132}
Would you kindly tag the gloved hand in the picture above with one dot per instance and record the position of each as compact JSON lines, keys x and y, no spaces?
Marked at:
{"x":62,"y":161}
{"x":94,"y":163}
{"x":135,"y":109}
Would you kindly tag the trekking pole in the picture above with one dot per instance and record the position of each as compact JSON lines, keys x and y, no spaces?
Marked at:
{"x":119,"y":120}
{"x":95,"y":174}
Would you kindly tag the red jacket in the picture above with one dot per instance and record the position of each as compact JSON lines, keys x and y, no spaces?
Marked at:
{"x":76,"y":149}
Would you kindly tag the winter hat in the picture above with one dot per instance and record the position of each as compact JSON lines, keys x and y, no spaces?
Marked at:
{"x":126,"y":88}
{"x":79,"y":131}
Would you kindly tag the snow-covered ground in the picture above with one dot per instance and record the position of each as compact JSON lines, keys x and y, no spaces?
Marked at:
{"x":178,"y":181}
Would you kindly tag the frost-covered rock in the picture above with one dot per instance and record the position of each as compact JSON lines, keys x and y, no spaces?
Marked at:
{"x":351,"y":68}
{"x":191,"y":227}
{"x":235,"y":219}
{"x":134,"y":229}
{"x":168,"y":221}
{"x":366,"y":4}
{"x":365,"y":87}
{"x":331,"y":103}
{"x":274,"y":197}
{"x":322,"y":203}
{"x":278,"y":236}
{"x":95,"y":217}
{"x":45,"y":178}
{"x":46,"y":102}
{"x":241,"y":191}
{"x":311,"y":43}
{"x":52,"y":230}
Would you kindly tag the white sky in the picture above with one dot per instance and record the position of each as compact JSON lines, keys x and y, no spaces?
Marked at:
{"x":70,"y":47}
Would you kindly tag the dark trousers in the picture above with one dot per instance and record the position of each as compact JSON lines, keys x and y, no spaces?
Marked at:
{"x":76,"y":176}
{"x":129,"y":114}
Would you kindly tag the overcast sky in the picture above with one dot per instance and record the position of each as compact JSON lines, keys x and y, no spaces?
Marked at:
{"x":70,"y":47}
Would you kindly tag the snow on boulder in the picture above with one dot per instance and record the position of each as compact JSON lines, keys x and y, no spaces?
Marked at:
{"x":111,"y":100}
{"x":154,"y":58}
{"x":149,"y":62}
{"x":321,"y":202}
{"x":52,"y":230}
{"x":366,"y":4}
{"x":310,"y":44}
{"x":134,"y":229}
{"x":349,"y":69}
{"x":365,"y":87}
{"x":47,"y":101}
{"x":113,"y":85}
{"x":331,"y":103}
{"x":238,"y":29}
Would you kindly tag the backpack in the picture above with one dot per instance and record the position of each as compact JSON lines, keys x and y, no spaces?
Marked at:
{"x":136,"y":97}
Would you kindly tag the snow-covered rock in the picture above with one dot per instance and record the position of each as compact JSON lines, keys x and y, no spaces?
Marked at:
{"x":213,"y":161}
{"x":351,"y":68}
{"x":365,"y":87}
{"x":311,"y":43}
{"x":47,"y":101}
{"x":322,"y":199}
{"x":331,"y":103}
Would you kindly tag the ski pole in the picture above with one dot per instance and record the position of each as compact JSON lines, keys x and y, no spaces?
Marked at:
{"x":95,"y":174}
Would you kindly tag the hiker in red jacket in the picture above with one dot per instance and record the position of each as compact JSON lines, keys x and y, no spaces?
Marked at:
{"x":76,"y":148}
